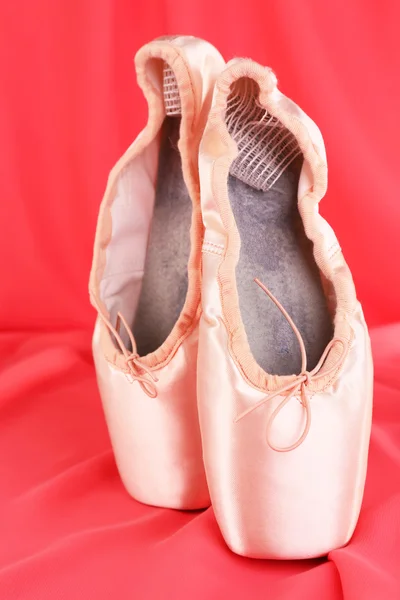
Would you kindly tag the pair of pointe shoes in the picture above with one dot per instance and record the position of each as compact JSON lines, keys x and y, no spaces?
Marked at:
{"x":206,"y":394}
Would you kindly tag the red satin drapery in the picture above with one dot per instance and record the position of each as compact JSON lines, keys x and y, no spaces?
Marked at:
{"x":69,"y":107}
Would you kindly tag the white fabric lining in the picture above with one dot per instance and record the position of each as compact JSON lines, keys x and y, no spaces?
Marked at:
{"x":131,"y":215}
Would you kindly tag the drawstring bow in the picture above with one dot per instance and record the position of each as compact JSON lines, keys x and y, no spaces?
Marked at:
{"x":299,"y":386}
{"x":137,"y":370}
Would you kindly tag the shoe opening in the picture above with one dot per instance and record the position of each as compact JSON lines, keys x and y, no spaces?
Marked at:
{"x":263,"y":189}
{"x":165,"y":280}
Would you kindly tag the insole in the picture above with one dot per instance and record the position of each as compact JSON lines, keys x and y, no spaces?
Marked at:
{"x":165,"y":276}
{"x":275,"y":249}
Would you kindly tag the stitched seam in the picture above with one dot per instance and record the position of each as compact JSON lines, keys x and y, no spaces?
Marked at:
{"x":336,"y":252}
{"x":212,"y":251}
{"x":332,"y":247}
{"x":117,"y":273}
{"x":336,"y":247}
{"x":207,"y":243}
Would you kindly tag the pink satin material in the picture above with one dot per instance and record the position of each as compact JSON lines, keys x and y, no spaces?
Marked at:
{"x":156,"y":441}
{"x":278,"y":505}
{"x":295,"y":504}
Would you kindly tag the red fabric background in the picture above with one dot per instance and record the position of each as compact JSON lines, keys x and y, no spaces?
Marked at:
{"x":69,"y":107}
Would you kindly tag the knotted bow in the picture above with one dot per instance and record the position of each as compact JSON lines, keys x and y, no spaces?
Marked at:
{"x":300,"y":384}
{"x":137,"y":370}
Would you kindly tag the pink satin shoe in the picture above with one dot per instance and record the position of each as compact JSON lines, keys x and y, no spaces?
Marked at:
{"x":285,"y":401}
{"x":145,"y":281}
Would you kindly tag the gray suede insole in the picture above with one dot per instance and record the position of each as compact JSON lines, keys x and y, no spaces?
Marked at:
{"x":275,"y":249}
{"x":165,"y":276}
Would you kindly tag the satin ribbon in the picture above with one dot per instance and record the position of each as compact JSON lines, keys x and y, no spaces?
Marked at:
{"x":299,"y":385}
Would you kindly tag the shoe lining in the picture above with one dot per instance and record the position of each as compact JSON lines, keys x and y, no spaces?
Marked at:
{"x":165,"y":279}
{"x":262,"y":186}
